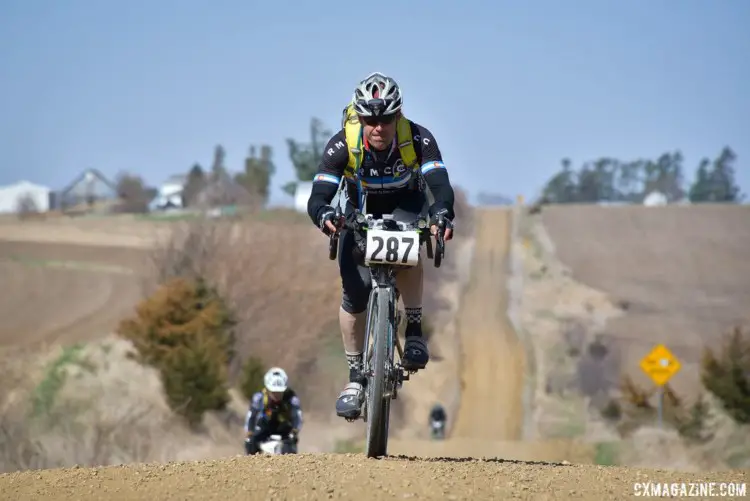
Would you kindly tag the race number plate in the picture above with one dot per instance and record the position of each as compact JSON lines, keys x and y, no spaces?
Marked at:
{"x":392,"y":247}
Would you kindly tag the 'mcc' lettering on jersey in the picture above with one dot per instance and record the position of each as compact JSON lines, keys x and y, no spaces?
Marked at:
{"x":380,"y":176}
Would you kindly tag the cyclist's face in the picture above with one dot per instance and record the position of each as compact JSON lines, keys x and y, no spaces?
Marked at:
{"x":275,"y":395}
{"x":379,"y":131}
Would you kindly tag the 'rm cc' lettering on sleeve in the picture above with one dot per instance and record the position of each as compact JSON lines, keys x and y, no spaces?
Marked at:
{"x":338,"y":145}
{"x":425,"y":141}
{"x":429,"y":166}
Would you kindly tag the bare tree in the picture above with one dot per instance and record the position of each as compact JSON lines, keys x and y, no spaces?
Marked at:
{"x":132,"y":192}
{"x":26,"y":206}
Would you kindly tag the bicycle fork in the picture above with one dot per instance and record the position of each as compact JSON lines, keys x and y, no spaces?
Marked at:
{"x":395,"y":373}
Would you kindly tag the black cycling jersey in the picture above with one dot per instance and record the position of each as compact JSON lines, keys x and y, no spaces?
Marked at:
{"x":384,"y":175}
{"x":285,"y":411}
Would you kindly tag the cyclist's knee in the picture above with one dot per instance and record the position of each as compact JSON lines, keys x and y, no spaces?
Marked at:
{"x":355,"y":291}
{"x":353,"y":305}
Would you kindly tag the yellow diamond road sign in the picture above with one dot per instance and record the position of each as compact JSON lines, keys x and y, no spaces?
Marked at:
{"x":660,"y":365}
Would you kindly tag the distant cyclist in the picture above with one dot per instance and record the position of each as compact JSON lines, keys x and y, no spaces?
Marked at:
{"x":275,"y":410}
{"x":438,"y":419}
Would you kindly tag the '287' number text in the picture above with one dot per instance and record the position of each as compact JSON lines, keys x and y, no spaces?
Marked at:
{"x":391,"y":249}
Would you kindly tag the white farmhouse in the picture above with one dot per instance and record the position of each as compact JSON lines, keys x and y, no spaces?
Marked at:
{"x":170,"y":192}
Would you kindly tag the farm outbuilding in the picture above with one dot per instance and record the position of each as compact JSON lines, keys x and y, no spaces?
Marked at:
{"x":655,"y":199}
{"x":301,"y":195}
{"x":11,"y":195}
{"x":88,"y":188}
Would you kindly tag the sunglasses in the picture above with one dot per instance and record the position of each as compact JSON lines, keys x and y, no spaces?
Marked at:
{"x":374,"y":121}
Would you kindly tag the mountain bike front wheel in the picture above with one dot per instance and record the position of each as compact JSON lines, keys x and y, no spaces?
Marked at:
{"x":382,"y":331}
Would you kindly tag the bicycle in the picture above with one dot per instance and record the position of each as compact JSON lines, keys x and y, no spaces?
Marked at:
{"x":437,"y":430}
{"x":276,"y":445}
{"x":389,"y":247}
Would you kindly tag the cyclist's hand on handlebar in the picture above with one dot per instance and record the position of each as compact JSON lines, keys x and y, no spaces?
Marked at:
{"x":438,"y":218}
{"x":327,"y":223}
{"x":294,"y":436}
{"x":448,"y":232}
{"x":331,"y":228}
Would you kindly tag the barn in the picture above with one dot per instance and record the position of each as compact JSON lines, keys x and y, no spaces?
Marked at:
{"x":11,"y":195}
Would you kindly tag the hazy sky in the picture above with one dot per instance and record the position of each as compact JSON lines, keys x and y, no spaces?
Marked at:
{"x":508,"y":88}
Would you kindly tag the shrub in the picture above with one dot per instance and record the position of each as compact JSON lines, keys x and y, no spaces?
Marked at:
{"x":26,"y":206}
{"x":634,"y":409}
{"x":612,"y":411}
{"x":46,"y":392}
{"x":693,"y":425}
{"x":252,"y":377}
{"x":635,"y":395}
{"x":208,"y":249}
{"x":195,"y":381}
{"x":185,"y":330}
{"x":726,"y":374}
{"x":606,"y":453}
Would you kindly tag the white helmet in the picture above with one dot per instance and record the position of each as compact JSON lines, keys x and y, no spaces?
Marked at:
{"x":275,"y":379}
{"x":377,"y":95}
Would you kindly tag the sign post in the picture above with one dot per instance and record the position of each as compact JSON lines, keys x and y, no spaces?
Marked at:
{"x":660,"y":365}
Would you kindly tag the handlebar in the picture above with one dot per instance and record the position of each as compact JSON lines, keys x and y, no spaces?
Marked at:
{"x":358,"y":221}
{"x":440,"y":240}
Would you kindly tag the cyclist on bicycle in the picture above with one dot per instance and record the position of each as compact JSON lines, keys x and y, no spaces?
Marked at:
{"x":396,"y":159}
{"x":437,"y":417}
{"x":273,"y":410}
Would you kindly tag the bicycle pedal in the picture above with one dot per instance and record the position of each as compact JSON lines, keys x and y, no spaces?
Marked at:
{"x":351,"y":419}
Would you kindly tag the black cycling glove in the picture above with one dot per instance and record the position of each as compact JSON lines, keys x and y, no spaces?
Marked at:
{"x":294,"y":436}
{"x":441,"y":213}
{"x":327,"y":213}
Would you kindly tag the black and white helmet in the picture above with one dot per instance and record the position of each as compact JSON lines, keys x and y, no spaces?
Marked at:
{"x":377,"y":95}
{"x":276,"y":380}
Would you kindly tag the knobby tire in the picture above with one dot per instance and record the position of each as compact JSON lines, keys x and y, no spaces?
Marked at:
{"x":378,"y":406}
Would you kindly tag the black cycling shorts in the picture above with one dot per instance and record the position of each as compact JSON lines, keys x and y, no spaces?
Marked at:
{"x":355,"y":277}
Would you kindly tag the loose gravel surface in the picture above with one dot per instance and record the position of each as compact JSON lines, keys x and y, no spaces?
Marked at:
{"x":345,"y":476}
